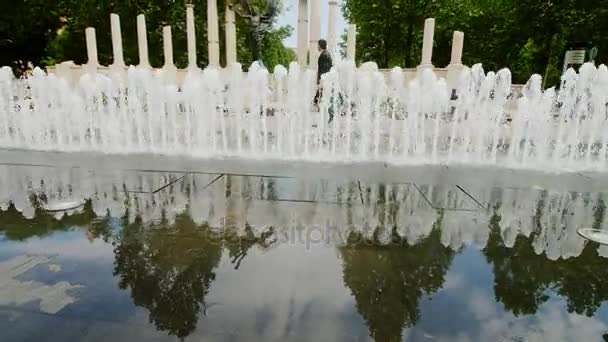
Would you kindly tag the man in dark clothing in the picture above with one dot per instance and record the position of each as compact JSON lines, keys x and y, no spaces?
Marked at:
{"x":324,"y":61}
{"x":324,"y":66}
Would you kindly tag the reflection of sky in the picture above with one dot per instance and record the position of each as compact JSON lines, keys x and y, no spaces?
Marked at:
{"x":283,"y":293}
{"x":469,"y":287}
{"x":290,"y":17}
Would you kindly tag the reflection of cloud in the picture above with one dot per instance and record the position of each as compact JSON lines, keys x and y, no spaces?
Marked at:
{"x":480,"y":305}
{"x":68,"y":245}
{"x":52,"y":298}
{"x":277,"y":303}
{"x":453,"y":281}
{"x":491,"y":323}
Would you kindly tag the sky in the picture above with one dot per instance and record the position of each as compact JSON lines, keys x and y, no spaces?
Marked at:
{"x":290,"y":17}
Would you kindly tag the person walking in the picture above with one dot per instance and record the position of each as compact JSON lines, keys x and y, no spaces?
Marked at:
{"x":324,"y":65}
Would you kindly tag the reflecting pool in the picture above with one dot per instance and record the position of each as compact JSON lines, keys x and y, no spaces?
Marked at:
{"x":164,"y":256}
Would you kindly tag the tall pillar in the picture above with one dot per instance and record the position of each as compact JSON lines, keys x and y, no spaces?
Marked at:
{"x":213,"y":35}
{"x":427,"y":44}
{"x":315,"y":32}
{"x":169,"y":71}
{"x":303,"y":32}
{"x":455,"y":66}
{"x":118,"y":60}
{"x":457,"y":44}
{"x":142,"y":41}
{"x":92,"y":60}
{"x":230,"y":36}
{"x":190,"y":36}
{"x":351,"y":43}
{"x":331,"y":25}
{"x":168,"y":47}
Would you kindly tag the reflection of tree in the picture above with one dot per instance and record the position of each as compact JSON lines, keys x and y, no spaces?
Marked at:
{"x":239,"y":245}
{"x":169,"y":269}
{"x":15,"y":226}
{"x":388,"y":281}
{"x":522,"y":278}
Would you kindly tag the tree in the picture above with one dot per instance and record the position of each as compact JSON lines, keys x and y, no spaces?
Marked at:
{"x":528,"y":36}
{"x":260,"y":15}
{"x":389,"y":30}
{"x":69,"y":44}
{"x":26,"y":28}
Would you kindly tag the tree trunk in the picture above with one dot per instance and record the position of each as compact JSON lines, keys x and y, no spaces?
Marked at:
{"x":256,"y":44}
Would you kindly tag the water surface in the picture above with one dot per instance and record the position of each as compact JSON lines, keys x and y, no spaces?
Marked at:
{"x":161,"y":256}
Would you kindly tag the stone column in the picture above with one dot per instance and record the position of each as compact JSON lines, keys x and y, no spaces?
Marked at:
{"x":213,"y":35}
{"x":331,"y":25}
{"x":92,"y":61}
{"x":315,"y":32}
{"x":303,"y":33}
{"x":230,"y":37}
{"x":169,"y":70}
{"x":455,"y":66}
{"x":142,"y":41}
{"x":191,"y":36}
{"x":427,"y":44}
{"x":118,"y":60}
{"x":168,"y":46}
{"x":351,"y":43}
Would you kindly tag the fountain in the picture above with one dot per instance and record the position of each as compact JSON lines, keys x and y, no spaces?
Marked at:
{"x":225,"y":113}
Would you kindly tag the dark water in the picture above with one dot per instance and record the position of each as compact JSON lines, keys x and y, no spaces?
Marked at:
{"x":170,"y":256}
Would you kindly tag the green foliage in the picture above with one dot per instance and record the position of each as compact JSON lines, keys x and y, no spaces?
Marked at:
{"x":26,"y":28}
{"x":273,"y":50}
{"x":528,"y":36}
{"x":49,"y":32}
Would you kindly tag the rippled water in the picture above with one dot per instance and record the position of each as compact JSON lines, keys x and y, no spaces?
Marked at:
{"x":161,"y":256}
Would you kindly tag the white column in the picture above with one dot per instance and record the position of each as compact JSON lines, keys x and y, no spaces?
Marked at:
{"x":457,"y":44}
{"x":455,"y":66}
{"x":169,"y":71}
{"x":168,"y":46}
{"x":190,"y":36}
{"x":213,"y":35}
{"x":315,"y":32}
{"x":351,"y":42}
{"x":118,"y":60}
{"x":427,"y":43}
{"x":331,"y":25}
{"x":303,"y":33}
{"x":230,"y":37}
{"x":92,"y":61}
{"x":142,"y":41}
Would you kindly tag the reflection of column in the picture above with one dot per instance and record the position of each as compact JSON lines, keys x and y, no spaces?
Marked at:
{"x":303,"y":32}
{"x":315,"y":32}
{"x":331,"y":25}
{"x":351,"y":42}
{"x":191,"y":36}
{"x":142,"y":41}
{"x":230,"y":37}
{"x":213,"y":34}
